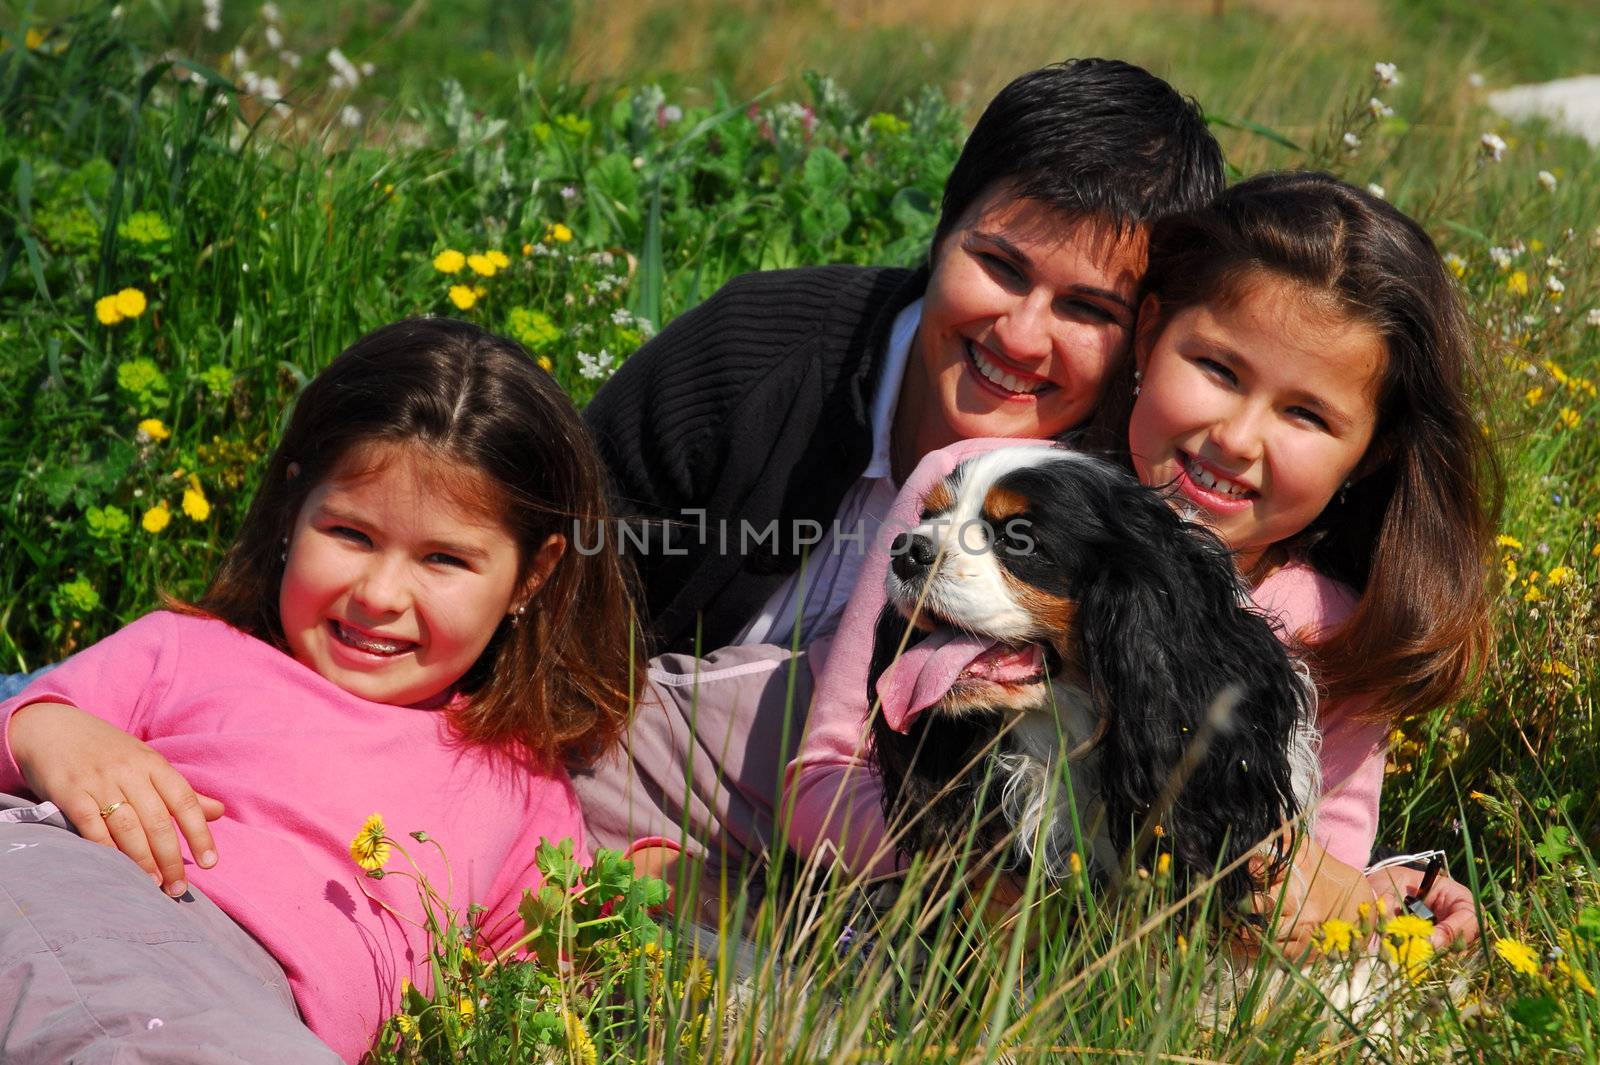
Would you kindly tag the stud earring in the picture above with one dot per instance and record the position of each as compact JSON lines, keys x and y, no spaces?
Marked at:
{"x":1343,"y":488}
{"x":517,"y":614}
{"x":283,"y":555}
{"x":1138,"y":377}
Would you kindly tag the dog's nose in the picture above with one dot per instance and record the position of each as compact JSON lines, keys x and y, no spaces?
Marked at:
{"x":912,"y":555}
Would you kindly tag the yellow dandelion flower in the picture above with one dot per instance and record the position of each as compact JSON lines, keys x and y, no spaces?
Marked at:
{"x":1456,"y":263}
{"x":156,"y":518}
{"x":1559,"y":669}
{"x":449,"y":261}
{"x":1406,"y":944}
{"x":1511,"y":568}
{"x":1533,"y":594}
{"x":1578,"y":977}
{"x":498,"y":258}
{"x":1557,"y":372}
{"x":153,"y":429}
{"x":545,"y":364}
{"x":527,"y":249}
{"x":1533,"y":395}
{"x":1517,"y":954}
{"x":407,"y":1025}
{"x":195,"y":503}
{"x":481,"y":265}
{"x":1075,"y":863}
{"x":1163,"y":864}
{"x":105,"y":310}
{"x":1335,"y":936}
{"x":467,"y":1007}
{"x":558,"y":233}
{"x":1559,"y":575}
{"x":1183,"y":943}
{"x":370,"y":848}
{"x":32,"y":39}
{"x":1568,"y":418}
{"x":1508,"y":541}
{"x":130,"y":303}
{"x":1517,"y":283}
{"x":463,"y":297}
{"x":1477,"y":796}
{"x":579,"y":1045}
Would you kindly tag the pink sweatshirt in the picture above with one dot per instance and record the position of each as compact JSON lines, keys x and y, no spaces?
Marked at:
{"x":300,"y":763}
{"x":834,"y":799}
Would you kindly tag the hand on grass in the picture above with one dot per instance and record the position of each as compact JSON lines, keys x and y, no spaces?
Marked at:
{"x":1455,"y":913}
{"x":83,"y":764}
{"x":1315,"y":888}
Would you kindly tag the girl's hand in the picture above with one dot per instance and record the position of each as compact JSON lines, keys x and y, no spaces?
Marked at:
{"x":1455,"y":913}
{"x":84,"y":765}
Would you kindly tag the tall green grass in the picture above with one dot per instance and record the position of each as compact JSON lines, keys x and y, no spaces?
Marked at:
{"x":265,"y":239}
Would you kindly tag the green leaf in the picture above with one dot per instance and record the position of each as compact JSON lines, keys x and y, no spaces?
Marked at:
{"x":1537,"y":1013}
{"x":1555,"y":849}
{"x":824,"y":172}
{"x":1588,"y":924}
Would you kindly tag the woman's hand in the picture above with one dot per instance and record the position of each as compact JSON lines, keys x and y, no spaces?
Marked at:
{"x":85,"y":766}
{"x":1317,"y":887}
{"x":1455,"y":913}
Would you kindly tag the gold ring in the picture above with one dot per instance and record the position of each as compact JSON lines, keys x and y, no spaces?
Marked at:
{"x":112,"y":807}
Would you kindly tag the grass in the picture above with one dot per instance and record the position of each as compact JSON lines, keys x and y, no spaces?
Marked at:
{"x":263,"y":240}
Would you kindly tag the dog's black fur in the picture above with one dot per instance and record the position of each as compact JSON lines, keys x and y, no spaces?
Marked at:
{"x":1161,"y":629}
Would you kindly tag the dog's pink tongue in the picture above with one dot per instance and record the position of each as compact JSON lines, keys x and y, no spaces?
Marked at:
{"x":924,"y":673}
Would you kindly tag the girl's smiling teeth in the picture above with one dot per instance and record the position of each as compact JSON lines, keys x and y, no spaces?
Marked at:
{"x":996,"y":374}
{"x":1211,"y":481}
{"x":361,"y":641}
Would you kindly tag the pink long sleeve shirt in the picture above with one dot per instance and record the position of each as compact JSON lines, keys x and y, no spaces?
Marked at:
{"x":834,"y":799}
{"x":300,"y":764}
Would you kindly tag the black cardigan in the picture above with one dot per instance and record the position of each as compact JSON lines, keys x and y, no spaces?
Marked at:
{"x":755,"y":407}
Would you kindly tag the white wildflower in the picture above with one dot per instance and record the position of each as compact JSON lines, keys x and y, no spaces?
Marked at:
{"x":1377,"y":190}
{"x":638,"y":162}
{"x":1351,"y":141}
{"x":594,"y":367}
{"x":274,"y":37}
{"x":671,"y":113}
{"x":622,"y":317}
{"x":1548,"y":180}
{"x":1492,"y":146}
{"x":1475,"y":80}
{"x":116,"y":13}
{"x":1554,"y":286}
{"x":349,"y":117}
{"x":1501,"y":257}
{"x":367,"y":70}
{"x":1555,"y":262}
{"x":1455,"y":262}
{"x":569,"y":192}
{"x":239,"y":58}
{"x":289,"y":59}
{"x":270,"y":14}
{"x":211,"y":15}
{"x":1386,"y":74}
{"x":345,"y":74}
{"x":1378,"y":109}
{"x":1594,"y":318}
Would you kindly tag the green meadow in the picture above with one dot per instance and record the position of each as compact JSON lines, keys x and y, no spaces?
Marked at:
{"x":200,"y":206}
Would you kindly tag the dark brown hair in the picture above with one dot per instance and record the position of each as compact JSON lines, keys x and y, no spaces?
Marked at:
{"x":1413,"y":532}
{"x":555,"y":686}
{"x":1089,"y":138}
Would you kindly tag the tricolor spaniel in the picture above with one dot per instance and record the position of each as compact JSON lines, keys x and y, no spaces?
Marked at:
{"x":1056,"y":604}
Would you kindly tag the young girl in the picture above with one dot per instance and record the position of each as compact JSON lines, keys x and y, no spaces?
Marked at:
{"x":396,"y":629}
{"x":1300,"y":385}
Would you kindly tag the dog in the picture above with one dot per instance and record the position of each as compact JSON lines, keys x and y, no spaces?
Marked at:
{"x":1049,"y":607}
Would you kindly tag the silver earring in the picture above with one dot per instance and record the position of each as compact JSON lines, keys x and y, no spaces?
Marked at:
{"x":1343,"y":488}
{"x":516,"y":615}
{"x":283,"y":555}
{"x":1138,"y":376}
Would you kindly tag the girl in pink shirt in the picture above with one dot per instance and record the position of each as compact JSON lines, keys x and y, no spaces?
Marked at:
{"x":396,"y":629}
{"x":1300,"y":385}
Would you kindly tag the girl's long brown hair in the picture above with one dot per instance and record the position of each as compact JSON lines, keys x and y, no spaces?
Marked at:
{"x":556,"y":686}
{"x":1413,"y":532}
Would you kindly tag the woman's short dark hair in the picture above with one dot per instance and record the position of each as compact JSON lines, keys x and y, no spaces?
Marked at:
{"x":1091,"y":138}
{"x":1413,"y":531}
{"x":556,"y":686}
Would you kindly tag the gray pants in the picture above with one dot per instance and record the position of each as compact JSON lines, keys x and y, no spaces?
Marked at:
{"x":704,"y":756}
{"x":97,"y":965}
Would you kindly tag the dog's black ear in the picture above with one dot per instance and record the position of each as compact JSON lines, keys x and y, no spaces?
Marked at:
{"x":1164,"y":634}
